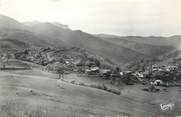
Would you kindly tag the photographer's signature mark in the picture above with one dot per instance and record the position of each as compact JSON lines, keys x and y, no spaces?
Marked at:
{"x":167,"y":107}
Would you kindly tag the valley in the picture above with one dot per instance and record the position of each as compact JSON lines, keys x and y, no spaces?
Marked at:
{"x":50,"y":70}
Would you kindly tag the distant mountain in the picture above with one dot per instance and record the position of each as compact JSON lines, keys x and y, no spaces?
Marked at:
{"x":149,"y":49}
{"x":151,"y":40}
{"x":61,"y":25}
{"x":14,"y":30}
{"x":33,"y":23}
{"x":9,"y":23}
{"x":155,"y":40}
{"x":107,"y":36}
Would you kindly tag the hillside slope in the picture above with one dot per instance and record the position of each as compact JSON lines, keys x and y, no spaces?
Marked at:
{"x":77,"y":38}
{"x":14,"y":30}
{"x":20,"y":89}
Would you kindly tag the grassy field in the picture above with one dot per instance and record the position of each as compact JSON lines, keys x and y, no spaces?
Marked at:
{"x":36,"y":93}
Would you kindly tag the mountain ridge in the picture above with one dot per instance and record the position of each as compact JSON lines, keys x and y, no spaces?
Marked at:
{"x":48,"y":34}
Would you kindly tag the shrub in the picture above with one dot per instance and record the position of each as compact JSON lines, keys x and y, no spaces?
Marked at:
{"x":105,"y":88}
{"x":73,"y":82}
{"x":82,"y":84}
{"x":114,"y":91}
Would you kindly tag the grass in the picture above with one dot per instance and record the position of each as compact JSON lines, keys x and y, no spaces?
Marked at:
{"x":102,"y":87}
{"x":10,"y":109}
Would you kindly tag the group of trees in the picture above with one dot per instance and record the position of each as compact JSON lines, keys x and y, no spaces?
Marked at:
{"x":37,"y":56}
{"x":166,"y":76}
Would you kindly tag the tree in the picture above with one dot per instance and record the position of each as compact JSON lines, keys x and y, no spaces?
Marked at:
{"x":1,"y":61}
{"x":128,"y":78}
{"x":105,"y":66}
{"x":60,"y":70}
{"x":97,"y":62}
{"x":5,"y":59}
{"x":8,"y":56}
{"x":89,"y":63}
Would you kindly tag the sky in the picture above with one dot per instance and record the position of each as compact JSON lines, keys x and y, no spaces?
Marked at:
{"x":120,"y":17}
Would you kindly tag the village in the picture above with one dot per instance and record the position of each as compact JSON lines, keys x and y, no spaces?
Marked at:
{"x":74,"y":60}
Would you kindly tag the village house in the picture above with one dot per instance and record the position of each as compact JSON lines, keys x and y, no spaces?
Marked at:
{"x":157,"y":67}
{"x":105,"y":72}
{"x":170,"y":68}
{"x":158,"y":82}
{"x":138,"y":74}
{"x":94,"y":69}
